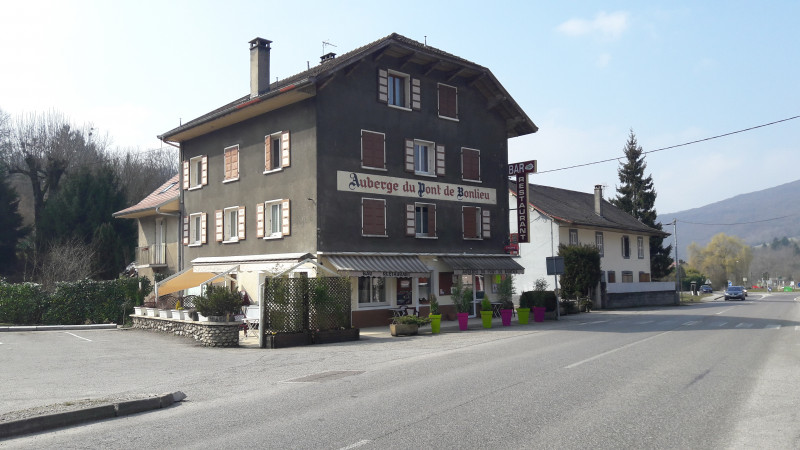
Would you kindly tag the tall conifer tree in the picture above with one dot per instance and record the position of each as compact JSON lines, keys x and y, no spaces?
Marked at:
{"x":637,"y":197}
{"x":11,"y":228}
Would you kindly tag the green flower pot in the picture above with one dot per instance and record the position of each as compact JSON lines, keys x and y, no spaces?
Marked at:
{"x":436,"y":323}
{"x":524,"y":315}
{"x":486,"y":317}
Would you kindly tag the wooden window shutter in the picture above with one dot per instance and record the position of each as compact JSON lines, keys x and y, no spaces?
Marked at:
{"x":373,"y":217}
{"x":470,"y":164}
{"x":240,"y":228}
{"x":416,"y":98}
{"x":411,"y":216}
{"x":227,"y":173}
{"x":486,"y":223}
{"x":186,"y":174}
{"x":268,"y":162}
{"x":448,"y":101}
{"x":409,"y":155}
{"x":285,"y":216}
{"x":383,"y":86}
{"x":185,"y":230}
{"x":440,"y":160}
{"x":204,"y":171}
{"x":372,"y":149}
{"x":260,"y":220}
{"x":469,"y":219}
{"x":285,"y":159}
{"x":203,"y":230}
{"x":432,"y":220}
{"x":218,"y":225}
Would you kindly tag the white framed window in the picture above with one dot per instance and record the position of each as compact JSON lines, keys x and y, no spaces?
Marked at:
{"x":640,"y":247}
{"x":598,"y":242}
{"x":421,"y":220}
{"x":277,"y":151}
{"x":573,"y":236}
{"x":231,"y":157}
{"x":195,"y":172}
{"x":273,"y":219}
{"x":231,"y":225}
{"x":627,"y":276}
{"x":626,"y":247}
{"x":424,"y":158}
{"x":371,"y":291}
{"x":195,"y":231}
{"x":399,"y":90}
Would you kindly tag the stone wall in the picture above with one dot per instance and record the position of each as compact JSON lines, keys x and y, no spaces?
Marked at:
{"x":210,"y":334}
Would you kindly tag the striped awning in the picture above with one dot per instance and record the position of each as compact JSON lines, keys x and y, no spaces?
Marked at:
{"x":379,"y":266}
{"x":483,"y":265}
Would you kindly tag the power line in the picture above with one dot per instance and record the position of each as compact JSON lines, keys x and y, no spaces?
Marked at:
{"x":675,"y":146}
{"x":740,"y":223}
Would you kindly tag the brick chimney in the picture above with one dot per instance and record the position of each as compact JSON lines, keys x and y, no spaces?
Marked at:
{"x":259,"y":66}
{"x":598,"y":199}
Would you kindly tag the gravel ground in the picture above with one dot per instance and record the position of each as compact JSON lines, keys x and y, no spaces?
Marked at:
{"x":69,"y":406}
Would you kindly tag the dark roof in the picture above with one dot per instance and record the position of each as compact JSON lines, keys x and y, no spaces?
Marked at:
{"x":398,"y":46}
{"x":165,"y":194}
{"x":577,"y":208}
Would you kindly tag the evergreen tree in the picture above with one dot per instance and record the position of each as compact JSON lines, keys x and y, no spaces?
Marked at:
{"x":82,"y":210}
{"x":637,"y":197}
{"x":11,"y":229}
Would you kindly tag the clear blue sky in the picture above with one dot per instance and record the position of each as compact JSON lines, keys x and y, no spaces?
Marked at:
{"x":586,"y":73}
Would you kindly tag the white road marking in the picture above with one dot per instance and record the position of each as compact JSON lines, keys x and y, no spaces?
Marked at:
{"x":67,"y":332}
{"x":598,"y":321}
{"x":744,"y":325}
{"x":691,"y":322}
{"x":719,"y":324}
{"x":615,"y":350}
{"x":357,"y":444}
{"x":643,"y":322}
{"x":723,"y":311}
{"x":773,"y":326}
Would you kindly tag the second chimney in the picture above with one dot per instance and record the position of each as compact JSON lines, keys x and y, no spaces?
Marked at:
{"x":598,"y":199}
{"x":259,"y":66}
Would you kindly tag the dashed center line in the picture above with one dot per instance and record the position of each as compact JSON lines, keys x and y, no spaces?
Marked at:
{"x":614,"y":350}
{"x":643,"y":322}
{"x":691,"y":322}
{"x":744,"y":325}
{"x":357,"y":444}
{"x":773,"y":326}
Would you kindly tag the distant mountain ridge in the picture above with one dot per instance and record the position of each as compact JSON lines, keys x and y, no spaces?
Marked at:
{"x":756,"y":217}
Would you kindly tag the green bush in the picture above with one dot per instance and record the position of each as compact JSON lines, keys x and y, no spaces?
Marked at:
{"x":526,"y":299}
{"x":411,"y":320}
{"x":72,"y":303}
{"x":218,"y":301}
{"x":486,"y":305}
{"x":434,"y":305}
{"x":22,"y":303}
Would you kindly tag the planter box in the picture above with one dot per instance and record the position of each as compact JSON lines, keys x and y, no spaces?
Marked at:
{"x":202,"y":318}
{"x":333,"y":336}
{"x":140,"y":310}
{"x":165,"y":313}
{"x":403,"y":329}
{"x":177,"y":314}
{"x":283,"y":340}
{"x":152,"y":312}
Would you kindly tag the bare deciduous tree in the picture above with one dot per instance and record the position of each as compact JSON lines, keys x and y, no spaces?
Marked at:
{"x":45,"y":147}
{"x":66,"y":261}
{"x":142,"y":172}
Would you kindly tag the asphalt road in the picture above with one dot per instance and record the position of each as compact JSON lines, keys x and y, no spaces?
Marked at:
{"x":713,"y":375}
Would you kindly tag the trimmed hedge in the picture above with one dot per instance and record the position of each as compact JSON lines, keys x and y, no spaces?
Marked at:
{"x":73,"y":303}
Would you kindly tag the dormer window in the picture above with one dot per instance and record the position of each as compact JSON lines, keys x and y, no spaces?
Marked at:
{"x":399,"y":90}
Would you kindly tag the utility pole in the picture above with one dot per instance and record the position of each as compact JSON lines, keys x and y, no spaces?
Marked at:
{"x":677,"y":261}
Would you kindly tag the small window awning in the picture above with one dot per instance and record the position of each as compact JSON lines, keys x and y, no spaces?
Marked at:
{"x":185,"y":279}
{"x":483,"y":265}
{"x":379,"y":265}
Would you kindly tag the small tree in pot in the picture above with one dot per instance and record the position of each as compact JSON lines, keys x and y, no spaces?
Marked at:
{"x":218,"y":303}
{"x":436,"y":318}
{"x":462,"y":298}
{"x":505,"y":293}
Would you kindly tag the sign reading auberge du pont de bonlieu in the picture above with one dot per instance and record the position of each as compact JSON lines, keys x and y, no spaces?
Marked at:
{"x":403,"y":187}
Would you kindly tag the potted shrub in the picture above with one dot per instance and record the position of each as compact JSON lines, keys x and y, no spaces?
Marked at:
{"x":218,"y":304}
{"x":486,"y":313}
{"x":525,"y":304}
{"x":538,"y":299}
{"x":177,"y":311}
{"x":434,"y":315}
{"x":586,"y":305}
{"x":461,"y":300}
{"x":407,"y":325}
{"x":505,"y":293}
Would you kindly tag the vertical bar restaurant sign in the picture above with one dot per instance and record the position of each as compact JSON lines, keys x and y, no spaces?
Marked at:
{"x":520,"y":171}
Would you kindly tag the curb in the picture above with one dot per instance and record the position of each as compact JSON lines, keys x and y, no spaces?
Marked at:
{"x":97,"y":326}
{"x":65,"y":419}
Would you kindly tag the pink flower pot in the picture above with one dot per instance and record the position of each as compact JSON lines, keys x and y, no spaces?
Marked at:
{"x":463,"y":321}
{"x":538,"y":313}
{"x":505,"y":316}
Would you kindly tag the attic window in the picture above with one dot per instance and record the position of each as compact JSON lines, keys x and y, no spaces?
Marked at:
{"x":171,"y":185}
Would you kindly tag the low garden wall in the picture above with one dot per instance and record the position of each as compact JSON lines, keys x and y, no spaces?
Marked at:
{"x":633,"y":299}
{"x":210,"y":334}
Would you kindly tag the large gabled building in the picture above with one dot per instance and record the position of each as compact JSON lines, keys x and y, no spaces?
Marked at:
{"x":386,"y":164}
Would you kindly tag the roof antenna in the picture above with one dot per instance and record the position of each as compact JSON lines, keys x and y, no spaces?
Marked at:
{"x":426,"y":40}
{"x":324,"y":43}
